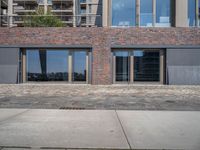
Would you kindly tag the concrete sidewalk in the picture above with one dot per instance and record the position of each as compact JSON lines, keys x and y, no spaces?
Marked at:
{"x":98,"y":129}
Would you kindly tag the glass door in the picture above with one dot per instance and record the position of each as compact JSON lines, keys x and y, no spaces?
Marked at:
{"x":122,"y":65}
{"x":79,"y":66}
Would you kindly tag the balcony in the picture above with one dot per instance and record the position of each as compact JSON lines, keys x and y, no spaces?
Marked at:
{"x":68,"y":20}
{"x":61,"y":10}
{"x":4,"y":4}
{"x":58,"y":8}
{"x":82,"y":1}
{"x":90,"y":20}
{"x":62,"y":6}
{"x":62,"y":0}
{"x":15,"y":1}
{"x":21,"y":9}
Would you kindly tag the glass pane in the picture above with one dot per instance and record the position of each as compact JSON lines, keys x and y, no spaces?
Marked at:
{"x":123,"y":12}
{"x":163,"y":13}
{"x":191,"y":12}
{"x":199,"y":12}
{"x":47,"y":65}
{"x":122,"y":66}
{"x":49,"y":2}
{"x":57,"y":65}
{"x":146,"y":65}
{"x":79,"y":66}
{"x":146,"y":13}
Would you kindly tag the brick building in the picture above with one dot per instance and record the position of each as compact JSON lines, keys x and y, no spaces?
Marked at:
{"x":140,"y":41}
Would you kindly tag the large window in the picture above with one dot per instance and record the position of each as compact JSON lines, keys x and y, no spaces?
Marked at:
{"x":163,"y":9}
{"x":138,"y":65}
{"x":55,"y":65}
{"x":134,"y":13}
{"x":123,"y":12}
{"x":146,"y":13}
{"x":47,"y":65}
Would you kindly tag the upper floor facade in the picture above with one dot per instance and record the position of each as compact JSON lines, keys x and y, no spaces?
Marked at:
{"x":151,"y":13}
{"x":107,"y":13}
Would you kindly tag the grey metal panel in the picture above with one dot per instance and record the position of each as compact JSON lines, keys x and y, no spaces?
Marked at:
{"x":183,"y":57}
{"x":183,"y":66}
{"x":184,"y":75}
{"x":8,"y":74}
{"x":9,"y":58}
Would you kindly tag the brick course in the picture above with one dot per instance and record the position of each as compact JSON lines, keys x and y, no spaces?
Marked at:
{"x":101,"y":40}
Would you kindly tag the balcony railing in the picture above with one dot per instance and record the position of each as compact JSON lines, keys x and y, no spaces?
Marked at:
{"x":68,"y":20}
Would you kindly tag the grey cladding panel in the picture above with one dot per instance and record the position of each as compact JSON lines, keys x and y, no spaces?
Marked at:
{"x":183,"y":66}
{"x":183,"y":57}
{"x":9,"y":65}
{"x":184,"y":75}
{"x":8,"y":56}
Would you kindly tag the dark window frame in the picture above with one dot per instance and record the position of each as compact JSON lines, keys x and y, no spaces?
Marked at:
{"x":23,"y":57}
{"x":162,"y":69}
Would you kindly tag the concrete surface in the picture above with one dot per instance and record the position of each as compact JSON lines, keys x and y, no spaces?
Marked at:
{"x":120,"y":97}
{"x":63,"y":129}
{"x":98,"y":129}
{"x":162,"y":130}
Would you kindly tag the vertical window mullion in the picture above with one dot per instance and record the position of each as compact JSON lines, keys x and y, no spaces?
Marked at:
{"x":197,"y":13}
{"x":24,"y":65}
{"x":131,"y":67}
{"x":114,"y":68}
{"x":70,"y":66}
{"x":137,"y":12}
{"x":154,"y":13}
{"x":87,"y":67}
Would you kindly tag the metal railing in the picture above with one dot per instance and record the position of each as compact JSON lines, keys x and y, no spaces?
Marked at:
{"x":67,"y":20}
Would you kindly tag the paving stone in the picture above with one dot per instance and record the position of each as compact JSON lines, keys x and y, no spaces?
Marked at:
{"x":125,"y":97}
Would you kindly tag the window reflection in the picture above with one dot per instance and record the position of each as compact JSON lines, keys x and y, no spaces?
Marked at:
{"x":47,"y":65}
{"x":79,"y":66}
{"x":146,"y":13}
{"x":163,"y":13}
{"x":123,"y":12}
{"x":146,"y":65}
{"x":199,"y":12}
{"x":122,"y":66}
{"x":191,"y":12}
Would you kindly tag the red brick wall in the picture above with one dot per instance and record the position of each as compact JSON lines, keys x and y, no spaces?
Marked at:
{"x":101,"y":40}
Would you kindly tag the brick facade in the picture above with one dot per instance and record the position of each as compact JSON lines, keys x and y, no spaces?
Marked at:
{"x":101,"y":41}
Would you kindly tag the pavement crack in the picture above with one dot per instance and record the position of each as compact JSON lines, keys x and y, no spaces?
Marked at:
{"x":123,"y":129}
{"x":13,"y":116}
